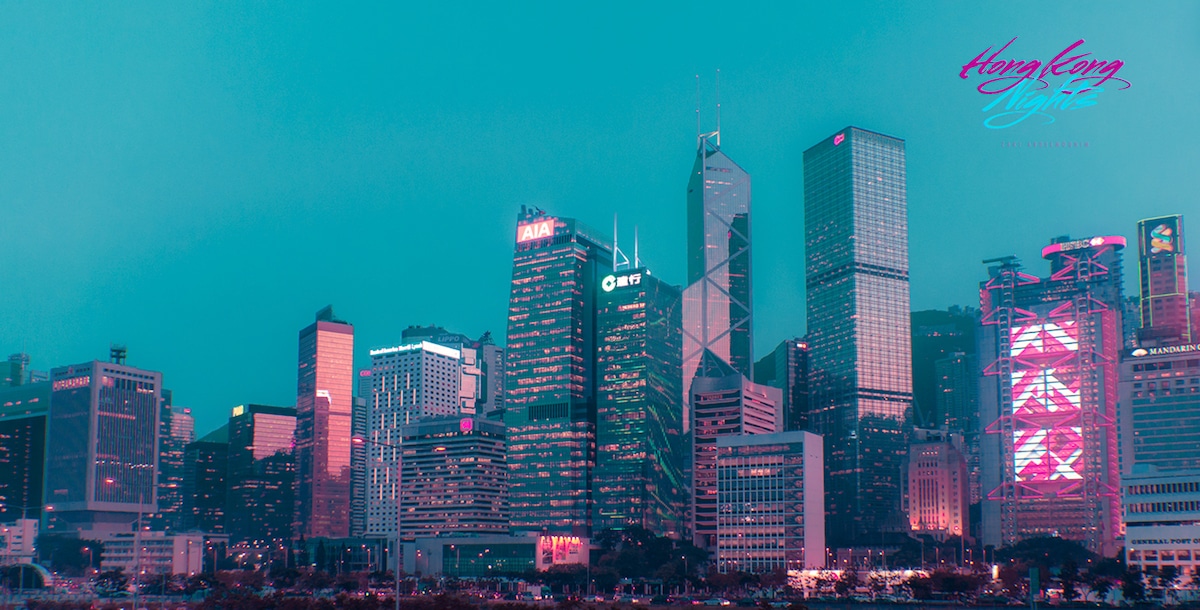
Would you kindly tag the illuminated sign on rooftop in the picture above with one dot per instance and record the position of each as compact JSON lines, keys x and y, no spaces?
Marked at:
{"x":535,"y":230}
{"x":838,"y":138}
{"x":424,"y":345}
{"x":612,"y":282}
{"x":1079,"y":244}
{"x":1163,"y":351}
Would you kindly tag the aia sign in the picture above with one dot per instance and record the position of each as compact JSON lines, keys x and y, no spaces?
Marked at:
{"x":535,"y":230}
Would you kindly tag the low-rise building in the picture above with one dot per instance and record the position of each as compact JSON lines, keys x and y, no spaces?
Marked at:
{"x":1162,"y":520}
{"x":161,"y":553}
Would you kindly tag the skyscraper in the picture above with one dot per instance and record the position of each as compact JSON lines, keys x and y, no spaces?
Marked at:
{"x":786,"y":368}
{"x":856,"y":226}
{"x":482,"y":386}
{"x":261,"y":474}
{"x":360,"y":428}
{"x":1048,"y":398}
{"x":454,"y":478}
{"x":23,"y":412}
{"x":177,"y":430}
{"x":716,"y":302}
{"x":102,"y":444}
{"x":723,"y":406}
{"x":550,"y":389}
{"x":411,"y":383}
{"x":324,"y":404}
{"x":936,"y":335}
{"x":1162,"y":263}
{"x":205,"y":486}
{"x":639,"y":429}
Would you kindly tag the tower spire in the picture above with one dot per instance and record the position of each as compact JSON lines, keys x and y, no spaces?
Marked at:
{"x":718,"y":108}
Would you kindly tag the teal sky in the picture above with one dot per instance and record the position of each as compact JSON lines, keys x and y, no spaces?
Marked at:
{"x":196,"y":180}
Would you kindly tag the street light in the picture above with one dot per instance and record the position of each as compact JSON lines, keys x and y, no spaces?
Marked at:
{"x":358,"y":440}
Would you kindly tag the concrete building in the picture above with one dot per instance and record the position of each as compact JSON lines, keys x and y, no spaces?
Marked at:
{"x":161,"y":553}
{"x":1162,"y":520}
{"x":771,"y":502}
{"x":937,"y":485}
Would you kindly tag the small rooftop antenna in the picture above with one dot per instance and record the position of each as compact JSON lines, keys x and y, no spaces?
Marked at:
{"x":619,"y":259}
{"x":718,"y":108}
{"x":637,"y":261}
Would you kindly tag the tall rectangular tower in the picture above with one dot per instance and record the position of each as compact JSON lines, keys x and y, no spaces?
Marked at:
{"x":639,"y":428}
{"x":716,"y":302}
{"x":856,"y":227}
{"x":261,"y":474}
{"x":550,"y":388}
{"x":102,"y":444}
{"x":324,"y":406}
{"x":1164,"y":289}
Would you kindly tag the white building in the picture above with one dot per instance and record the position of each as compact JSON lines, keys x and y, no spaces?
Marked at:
{"x":1162,"y":519}
{"x":160,"y":553}
{"x":17,"y":541}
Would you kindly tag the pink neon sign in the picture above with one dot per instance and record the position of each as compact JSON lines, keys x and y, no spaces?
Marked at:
{"x":1047,"y":435}
{"x":535,"y":230}
{"x":838,"y":138}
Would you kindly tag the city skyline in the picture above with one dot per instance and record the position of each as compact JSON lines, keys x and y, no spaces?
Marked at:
{"x":213,"y":163}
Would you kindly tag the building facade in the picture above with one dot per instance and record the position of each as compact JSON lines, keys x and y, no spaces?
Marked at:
{"x":771,"y":499}
{"x":178,"y":429}
{"x":640,"y":448}
{"x":454,"y":478}
{"x":205,"y":487}
{"x":261,"y":474}
{"x":722,"y":407}
{"x":856,"y":226}
{"x":102,"y":445}
{"x":23,"y":413}
{"x":717,"y":301}
{"x":481,"y":388}
{"x":1162,"y":520}
{"x":1160,"y":408}
{"x":1048,"y":398}
{"x":938,"y":486}
{"x":786,"y":368}
{"x":550,"y":388}
{"x":958,"y":405}
{"x":324,"y":405}
{"x":1162,"y":266}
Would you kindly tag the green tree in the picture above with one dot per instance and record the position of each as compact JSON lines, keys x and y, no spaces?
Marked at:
{"x":1068,"y":577}
{"x":847,"y":582}
{"x":110,"y":583}
{"x":1100,"y":587}
{"x":1132,"y":586}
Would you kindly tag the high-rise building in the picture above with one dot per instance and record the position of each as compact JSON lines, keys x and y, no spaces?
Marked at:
{"x":360,"y":425}
{"x":454,"y":478}
{"x":716,"y":302}
{"x":786,"y":368}
{"x":723,"y":406}
{"x":16,"y":371}
{"x":937,"y":484}
{"x":177,"y":430}
{"x":324,"y":405}
{"x":205,"y":487}
{"x":640,"y":449}
{"x":23,"y":412}
{"x":860,"y":367}
{"x":482,"y":386}
{"x":102,"y":444}
{"x":770,"y":489}
{"x":261,"y":474}
{"x":1162,"y":266}
{"x":410,"y":383}
{"x":550,"y":388}
{"x":1160,"y":408}
{"x":1048,"y":398}
{"x":937,"y":334}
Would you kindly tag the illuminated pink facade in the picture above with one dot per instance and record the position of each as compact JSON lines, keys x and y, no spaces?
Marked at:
{"x":324,"y":402}
{"x":1049,"y":396}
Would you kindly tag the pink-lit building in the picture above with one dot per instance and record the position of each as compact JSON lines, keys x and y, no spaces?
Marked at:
{"x":1048,"y":398}
{"x":938,"y":485}
{"x":1162,"y":266}
{"x":324,"y":404}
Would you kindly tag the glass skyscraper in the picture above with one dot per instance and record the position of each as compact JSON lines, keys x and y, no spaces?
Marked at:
{"x":1166,"y":315}
{"x":856,"y":235}
{"x":639,"y":423}
{"x":324,"y":405}
{"x":550,"y":385}
{"x":262,"y":474}
{"x":716,"y":303}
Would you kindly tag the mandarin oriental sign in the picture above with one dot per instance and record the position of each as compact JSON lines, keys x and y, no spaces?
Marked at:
{"x":535,"y":230}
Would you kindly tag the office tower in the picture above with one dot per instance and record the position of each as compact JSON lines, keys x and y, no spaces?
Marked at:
{"x":937,"y":484}
{"x":177,"y":429}
{"x":454,"y":478}
{"x":936,"y":335}
{"x":205,"y":487}
{"x":550,"y":385}
{"x":102,"y":444}
{"x":1194,"y":300}
{"x":324,"y":404}
{"x":1162,"y":266}
{"x":360,"y":428}
{"x":1131,"y":320}
{"x":770,"y":488}
{"x":957,"y":406}
{"x":786,"y":368}
{"x":1162,"y":520}
{"x":16,"y":371}
{"x":410,"y":383}
{"x":23,"y":412}
{"x":261,"y":474}
{"x":1160,"y":408}
{"x":723,"y":406}
{"x":716,"y":302}
{"x":1048,"y":398}
{"x":860,"y":368}
{"x":482,"y":385}
{"x":640,"y":449}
